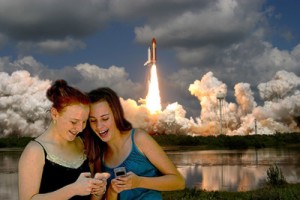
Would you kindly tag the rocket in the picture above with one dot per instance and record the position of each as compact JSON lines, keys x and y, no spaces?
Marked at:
{"x":151,"y":54}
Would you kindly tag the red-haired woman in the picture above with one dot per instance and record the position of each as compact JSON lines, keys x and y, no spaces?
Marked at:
{"x":53,"y":165}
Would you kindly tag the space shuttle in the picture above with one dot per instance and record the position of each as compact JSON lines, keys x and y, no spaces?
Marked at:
{"x":151,"y":54}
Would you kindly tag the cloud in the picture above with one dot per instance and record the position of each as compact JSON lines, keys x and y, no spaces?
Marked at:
{"x":51,"y":46}
{"x":153,"y":11}
{"x":221,"y":23}
{"x":229,"y":38}
{"x":24,"y":107}
{"x":281,"y":86}
{"x":277,"y":115}
{"x":115,"y":77}
{"x":27,"y":63}
{"x":220,"y":45}
{"x":23,"y":104}
{"x":32,"y":20}
{"x":51,"y":26}
{"x":84,"y":76}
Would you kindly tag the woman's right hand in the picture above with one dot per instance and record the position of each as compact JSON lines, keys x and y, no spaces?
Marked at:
{"x":85,"y":184}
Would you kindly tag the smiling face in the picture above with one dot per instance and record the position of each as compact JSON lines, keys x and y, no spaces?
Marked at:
{"x":71,"y":121}
{"x":102,"y":120}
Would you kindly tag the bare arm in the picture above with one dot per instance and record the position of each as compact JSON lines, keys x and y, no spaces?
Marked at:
{"x":170,"y":180}
{"x":31,"y":165}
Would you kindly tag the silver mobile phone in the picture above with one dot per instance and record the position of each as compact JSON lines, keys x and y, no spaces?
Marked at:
{"x":120,"y":171}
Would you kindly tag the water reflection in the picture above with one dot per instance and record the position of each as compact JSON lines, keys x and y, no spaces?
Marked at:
{"x":9,"y":159}
{"x":230,"y":170}
{"x":234,"y":170}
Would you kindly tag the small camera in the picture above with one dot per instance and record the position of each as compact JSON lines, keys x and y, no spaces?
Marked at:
{"x":120,"y":171}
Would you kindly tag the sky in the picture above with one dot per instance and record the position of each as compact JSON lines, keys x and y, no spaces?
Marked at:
{"x":251,"y":48}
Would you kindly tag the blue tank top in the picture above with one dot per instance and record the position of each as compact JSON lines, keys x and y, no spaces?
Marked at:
{"x":139,"y":164}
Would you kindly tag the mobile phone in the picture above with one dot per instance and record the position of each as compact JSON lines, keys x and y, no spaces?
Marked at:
{"x":120,"y":171}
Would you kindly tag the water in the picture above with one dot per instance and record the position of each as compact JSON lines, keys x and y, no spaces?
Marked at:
{"x":235,"y":170}
{"x":230,"y":170}
{"x":9,"y":159}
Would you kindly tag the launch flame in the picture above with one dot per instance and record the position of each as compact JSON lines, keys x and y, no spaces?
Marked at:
{"x":153,"y":102}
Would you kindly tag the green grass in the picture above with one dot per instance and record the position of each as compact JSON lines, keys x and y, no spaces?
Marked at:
{"x":14,"y":141}
{"x":287,"y":192}
{"x":201,"y":142}
{"x":230,"y":142}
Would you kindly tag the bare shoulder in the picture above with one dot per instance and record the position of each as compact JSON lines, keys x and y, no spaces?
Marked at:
{"x":141,"y":135}
{"x":32,"y":151}
{"x":144,"y":140}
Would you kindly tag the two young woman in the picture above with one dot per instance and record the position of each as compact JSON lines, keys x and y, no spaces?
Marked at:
{"x":55,"y":164}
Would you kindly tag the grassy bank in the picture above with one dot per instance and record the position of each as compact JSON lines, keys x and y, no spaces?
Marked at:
{"x":14,"y":141}
{"x":287,"y":192}
{"x":201,"y":142}
{"x":231,"y":142}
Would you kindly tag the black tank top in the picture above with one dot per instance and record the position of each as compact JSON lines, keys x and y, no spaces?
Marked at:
{"x":56,"y":176}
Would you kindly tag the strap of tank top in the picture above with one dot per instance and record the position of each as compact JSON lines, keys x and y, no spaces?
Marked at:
{"x":132,"y":136}
{"x":45,"y":152}
{"x":134,"y":147}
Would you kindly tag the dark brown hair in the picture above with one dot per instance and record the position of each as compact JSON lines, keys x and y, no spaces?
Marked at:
{"x":62,"y":95}
{"x":94,"y":146}
{"x":113,"y":100}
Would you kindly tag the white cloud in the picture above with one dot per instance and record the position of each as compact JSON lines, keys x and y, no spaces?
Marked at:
{"x":114,"y":77}
{"x":23,"y":104}
{"x":51,"y":46}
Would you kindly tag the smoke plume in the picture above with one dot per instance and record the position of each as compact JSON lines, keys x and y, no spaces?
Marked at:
{"x":24,"y":107}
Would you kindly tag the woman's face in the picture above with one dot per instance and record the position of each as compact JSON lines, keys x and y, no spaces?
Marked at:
{"x":71,"y":121}
{"x":102,"y":120}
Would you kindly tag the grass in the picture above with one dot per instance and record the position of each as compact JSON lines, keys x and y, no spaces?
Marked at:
{"x":14,"y":141}
{"x":200,"y":142}
{"x":230,"y":142}
{"x":286,"y":192}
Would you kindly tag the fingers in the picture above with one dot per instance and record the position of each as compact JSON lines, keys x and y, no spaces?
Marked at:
{"x":85,"y":184}
{"x":103,"y":175}
{"x":86,"y":174}
{"x":98,"y":185}
{"x":121,"y":183}
{"x":99,"y":188}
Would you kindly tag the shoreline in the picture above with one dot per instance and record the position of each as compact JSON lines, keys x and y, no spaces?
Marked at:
{"x":171,"y":142}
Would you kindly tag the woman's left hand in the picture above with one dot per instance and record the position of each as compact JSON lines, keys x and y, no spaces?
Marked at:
{"x":100,"y":188}
{"x":127,"y":182}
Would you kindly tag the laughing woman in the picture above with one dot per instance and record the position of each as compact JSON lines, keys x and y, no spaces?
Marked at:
{"x":54,"y":165}
{"x":112,"y":143}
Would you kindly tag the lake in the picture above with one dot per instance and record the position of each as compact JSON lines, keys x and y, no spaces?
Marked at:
{"x":230,"y":170}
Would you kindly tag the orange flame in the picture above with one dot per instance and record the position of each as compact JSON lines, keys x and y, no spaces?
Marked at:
{"x":153,"y":97}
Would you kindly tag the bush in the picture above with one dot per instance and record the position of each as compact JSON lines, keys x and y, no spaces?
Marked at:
{"x":275,"y":176}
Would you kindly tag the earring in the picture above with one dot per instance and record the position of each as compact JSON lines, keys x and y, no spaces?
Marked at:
{"x":54,"y":122}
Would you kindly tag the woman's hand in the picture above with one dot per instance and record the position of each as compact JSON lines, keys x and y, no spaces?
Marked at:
{"x":85,"y":184}
{"x":127,"y":182}
{"x":100,"y":187}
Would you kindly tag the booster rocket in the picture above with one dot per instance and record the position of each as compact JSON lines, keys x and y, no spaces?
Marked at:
{"x":151,"y":54}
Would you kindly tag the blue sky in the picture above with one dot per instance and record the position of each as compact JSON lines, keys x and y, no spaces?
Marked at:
{"x":236,"y":40}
